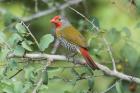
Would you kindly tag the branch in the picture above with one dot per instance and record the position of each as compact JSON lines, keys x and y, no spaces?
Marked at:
{"x":106,"y":70}
{"x":51,"y":10}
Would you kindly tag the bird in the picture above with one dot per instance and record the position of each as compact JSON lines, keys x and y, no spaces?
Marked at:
{"x":71,"y":39}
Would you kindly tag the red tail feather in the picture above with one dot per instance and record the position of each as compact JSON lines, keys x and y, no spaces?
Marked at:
{"x":88,"y":58}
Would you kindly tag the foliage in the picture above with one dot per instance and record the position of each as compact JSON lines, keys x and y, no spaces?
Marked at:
{"x":118,"y":25}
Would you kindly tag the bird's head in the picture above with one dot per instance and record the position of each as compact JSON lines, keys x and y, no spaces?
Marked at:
{"x":60,"y":21}
{"x":57,"y":21}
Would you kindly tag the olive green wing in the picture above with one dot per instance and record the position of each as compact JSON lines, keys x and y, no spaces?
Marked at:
{"x":74,"y":36}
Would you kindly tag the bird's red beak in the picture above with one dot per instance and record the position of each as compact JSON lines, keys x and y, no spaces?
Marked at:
{"x":52,"y":21}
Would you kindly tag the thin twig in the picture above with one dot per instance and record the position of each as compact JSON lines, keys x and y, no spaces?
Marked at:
{"x":110,"y":53}
{"x":31,"y":34}
{"x":15,"y":73}
{"x":103,"y":68}
{"x":38,"y":85}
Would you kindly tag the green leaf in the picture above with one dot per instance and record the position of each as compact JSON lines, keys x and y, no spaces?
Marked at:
{"x":126,"y":32}
{"x":137,"y":25}
{"x":8,"y":89}
{"x":18,"y":87}
{"x":113,"y":36}
{"x":90,"y":83}
{"x":14,"y":39}
{"x":9,"y":18}
{"x":130,"y":54}
{"x":19,"y":51}
{"x":26,"y":45}
{"x":74,"y":72}
{"x":3,"y":53}
{"x":29,"y":72}
{"x":29,"y":42}
{"x":20,"y":28}
{"x":13,"y":64}
{"x":45,"y":41}
{"x":27,"y":86}
{"x":53,"y":68}
{"x":45,"y":77}
{"x":119,"y":87}
{"x":2,"y":37}
{"x":66,"y":91}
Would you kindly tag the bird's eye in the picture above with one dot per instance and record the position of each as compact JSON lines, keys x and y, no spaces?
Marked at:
{"x":59,"y":19}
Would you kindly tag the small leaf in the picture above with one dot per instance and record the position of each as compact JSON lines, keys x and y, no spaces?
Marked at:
{"x":18,"y":87}
{"x":9,"y":18}
{"x":2,"y":37}
{"x":137,"y":25}
{"x":129,"y":53}
{"x":14,"y":39}
{"x":26,"y":45}
{"x":3,"y":53}
{"x":29,"y":42}
{"x":8,"y":89}
{"x":119,"y":87}
{"x":45,"y":41}
{"x":90,"y":83}
{"x":29,"y":72}
{"x":53,"y":68}
{"x":74,"y":72}
{"x":13,"y":64}
{"x":19,"y":51}
{"x":66,"y":91}
{"x":126,"y":32}
{"x":27,"y":86}
{"x":113,"y":36}
{"x":45,"y":77}
{"x":20,"y":28}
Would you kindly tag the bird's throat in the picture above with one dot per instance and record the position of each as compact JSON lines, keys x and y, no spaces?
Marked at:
{"x":58,"y":25}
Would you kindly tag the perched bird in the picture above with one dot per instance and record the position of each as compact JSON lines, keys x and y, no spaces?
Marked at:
{"x":72,"y":39}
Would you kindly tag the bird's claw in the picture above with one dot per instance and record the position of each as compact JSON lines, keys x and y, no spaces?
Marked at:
{"x":71,"y":56}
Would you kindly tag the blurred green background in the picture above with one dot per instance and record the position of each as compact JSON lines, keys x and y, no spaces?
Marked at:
{"x":119,"y":23}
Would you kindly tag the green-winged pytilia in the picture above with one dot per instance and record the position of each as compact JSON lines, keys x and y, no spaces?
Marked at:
{"x":72,"y":39}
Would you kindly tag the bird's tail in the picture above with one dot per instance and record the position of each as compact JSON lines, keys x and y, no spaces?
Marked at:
{"x":88,"y":58}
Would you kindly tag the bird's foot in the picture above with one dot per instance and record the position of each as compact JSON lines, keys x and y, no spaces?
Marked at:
{"x":71,"y":57}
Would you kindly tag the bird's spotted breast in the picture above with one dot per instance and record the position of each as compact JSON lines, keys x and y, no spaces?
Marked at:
{"x":68,"y":45}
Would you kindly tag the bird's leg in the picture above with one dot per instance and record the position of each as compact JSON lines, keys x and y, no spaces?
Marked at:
{"x":72,"y":55}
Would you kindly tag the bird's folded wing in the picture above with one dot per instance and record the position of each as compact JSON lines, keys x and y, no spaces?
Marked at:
{"x":73,"y":36}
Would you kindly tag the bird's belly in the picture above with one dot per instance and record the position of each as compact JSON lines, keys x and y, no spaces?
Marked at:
{"x":68,"y":45}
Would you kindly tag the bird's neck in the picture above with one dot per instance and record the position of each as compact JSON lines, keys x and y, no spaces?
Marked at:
{"x":62,"y":27}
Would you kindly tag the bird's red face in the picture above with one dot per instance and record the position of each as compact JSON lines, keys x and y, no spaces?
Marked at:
{"x":57,"y":21}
